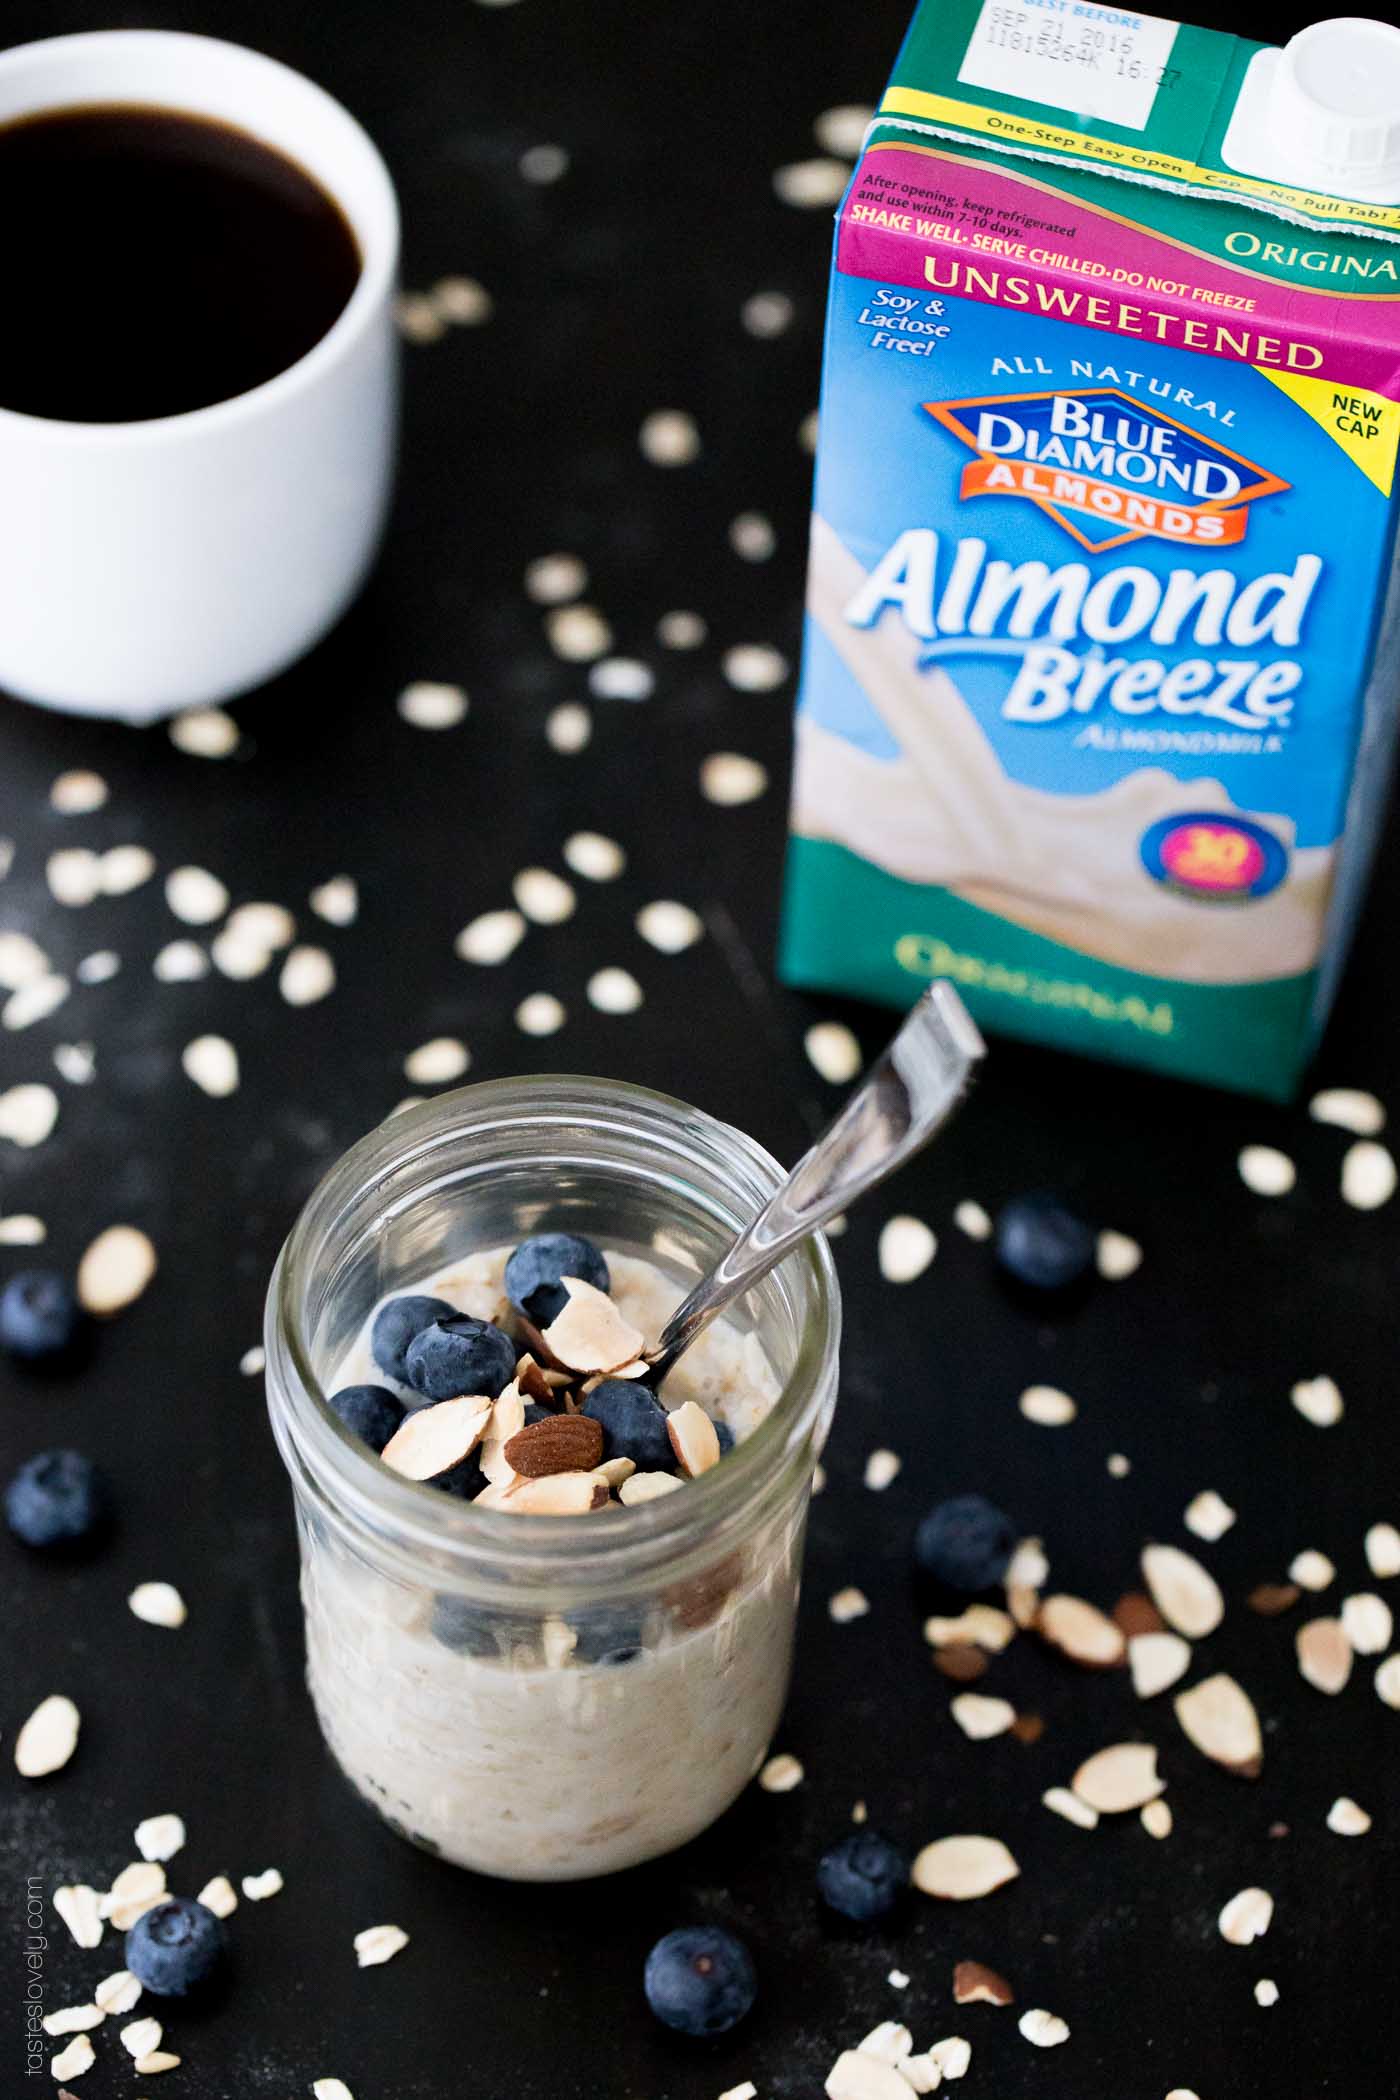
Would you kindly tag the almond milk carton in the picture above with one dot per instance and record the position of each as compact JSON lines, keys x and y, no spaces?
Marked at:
{"x":1102,"y":649}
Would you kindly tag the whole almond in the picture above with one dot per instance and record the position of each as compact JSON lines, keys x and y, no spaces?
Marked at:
{"x":563,"y":1444}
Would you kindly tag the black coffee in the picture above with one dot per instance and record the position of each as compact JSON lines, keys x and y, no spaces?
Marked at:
{"x":156,"y":262}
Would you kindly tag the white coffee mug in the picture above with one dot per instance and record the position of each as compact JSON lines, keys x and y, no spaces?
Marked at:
{"x":152,"y":566}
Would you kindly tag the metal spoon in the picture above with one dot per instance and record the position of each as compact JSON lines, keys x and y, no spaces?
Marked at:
{"x":905,"y":1097}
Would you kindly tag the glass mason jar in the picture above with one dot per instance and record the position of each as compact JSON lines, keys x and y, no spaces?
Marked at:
{"x":546,"y":1697}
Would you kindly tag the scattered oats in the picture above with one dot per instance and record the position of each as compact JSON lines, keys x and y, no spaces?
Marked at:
{"x":219,"y":1895}
{"x":1082,"y":1632}
{"x":540,"y":1013}
{"x":1186,"y":1595}
{"x":1156,"y":1819}
{"x":747,"y":2091}
{"x":253,"y":1362}
{"x":1266,"y":1171}
{"x":34,"y":1001}
{"x":75,"y":1062}
{"x":417,"y":318}
{"x":807,"y":431}
{"x":728,"y":779}
{"x":752,"y":537}
{"x":1368,"y":1175}
{"x":125,"y":868}
{"x":258,"y":1887}
{"x":781,"y":1774}
{"x":378,"y":1944}
{"x":48,"y":1738}
{"x":1367,"y":1623}
{"x":833,"y":1050}
{"x":841,"y":130}
{"x":99,"y":967}
{"x":881,"y":1468}
{"x":308,"y":974}
{"x":435,"y":1062}
{"x":681,"y":630}
{"x":1347,"y":1818}
{"x":544,"y":164}
{"x":158,"y":1604}
{"x":1116,"y":1256}
{"x":462,"y":301}
{"x":594,"y":857}
{"x":1061,"y":1802}
{"x":73,"y":2019}
{"x":195,"y":896}
{"x":1208,"y":1515}
{"x":755,"y":667}
{"x":137,"y":1889}
{"x":544,"y":896}
{"x":1120,"y":1778}
{"x":158,"y":2060}
{"x":981,"y":1718}
{"x":212,"y":1063}
{"x":78,"y":2057}
{"x":28,"y":1113}
{"x":1119,"y":1465}
{"x":235,"y":955}
{"x":1318,"y":1400}
{"x":1181,"y":2092}
{"x":22,"y":960}
{"x":905,"y":1249}
{"x":1324,"y":1655}
{"x":979,"y":1626}
{"x":1266,"y":1992}
{"x":115,"y":1270}
{"x":767,"y":314}
{"x":80,"y":1911}
{"x":952,"y":2056}
{"x":1247,"y":1917}
{"x":118,"y":1992}
{"x":898,"y":1980}
{"x":614,"y":991}
{"x":621,"y":678}
{"x":818,"y":1479}
{"x":1027,"y":1569}
{"x":959,"y":1869}
{"x":160,"y":1837}
{"x":1387,"y":1681}
{"x":181,"y":962}
{"x":809,"y":184}
{"x":1311,"y":1570}
{"x":848,"y":1604}
{"x":262,"y":925}
{"x":669,"y":438}
{"x":204,"y":732}
{"x":1383,"y":1551}
{"x":141,"y":2037}
{"x":1047,"y":1406}
{"x":336,"y":901}
{"x":78,"y":794}
{"x":668,"y":926}
{"x":74,"y":875}
{"x":971,"y":1218}
{"x":430,"y":704}
{"x":22,"y":1230}
{"x":1157,"y":1661}
{"x":1348,"y":1109}
{"x":1043,"y":2030}
{"x":490,"y":938}
{"x":1219,"y":1718}
{"x":856,"y":2076}
{"x":890,"y":2042}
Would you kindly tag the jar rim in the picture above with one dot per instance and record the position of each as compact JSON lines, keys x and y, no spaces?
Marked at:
{"x":414,"y":1520}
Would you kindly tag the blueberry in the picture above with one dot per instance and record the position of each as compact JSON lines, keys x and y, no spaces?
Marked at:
{"x":1042,"y":1245}
{"x":460,"y":1355}
{"x":40,"y":1317}
{"x":56,"y":1499}
{"x":634,"y":1424}
{"x":700,"y":1980}
{"x":534,"y":1270}
{"x":863,"y":1876}
{"x":965,"y":1543}
{"x":462,"y":1627}
{"x":535,"y":1413}
{"x":395,"y":1326}
{"x":726,"y":1437}
{"x":175,"y":1947}
{"x":465,"y":1479}
{"x":607,"y":1633}
{"x":370,"y":1412}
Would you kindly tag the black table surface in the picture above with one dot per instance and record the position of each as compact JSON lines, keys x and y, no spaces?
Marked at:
{"x":617,"y":291}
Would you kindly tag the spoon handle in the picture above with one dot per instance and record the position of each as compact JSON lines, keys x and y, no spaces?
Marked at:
{"x":905,"y":1097}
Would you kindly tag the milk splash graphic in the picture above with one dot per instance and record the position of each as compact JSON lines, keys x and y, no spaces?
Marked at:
{"x":1099,"y":684}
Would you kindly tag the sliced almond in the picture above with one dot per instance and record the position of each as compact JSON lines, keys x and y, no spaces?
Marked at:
{"x":1120,"y":1778}
{"x":981,"y":1718}
{"x":590,"y":1334}
{"x":856,"y":2076}
{"x":781,"y":1774}
{"x":962,"y":1663}
{"x":694,"y":1438}
{"x":647,"y":1487}
{"x":960,"y":1869}
{"x":975,"y":1984}
{"x":1061,"y":1802}
{"x":1367,"y":1623}
{"x":1219,"y":1718}
{"x":558,"y":1495}
{"x":1185,"y":1593}
{"x":1270,"y":1599}
{"x":432,"y":1440}
{"x":48,"y":1738}
{"x":1324,"y":1655}
{"x":1082,"y":1632}
{"x":1136,"y":1613}
{"x":115,"y":1270}
{"x":980,"y":1626}
{"x":1247,"y":1917}
{"x":614,"y":1471}
{"x":1157,"y":1661}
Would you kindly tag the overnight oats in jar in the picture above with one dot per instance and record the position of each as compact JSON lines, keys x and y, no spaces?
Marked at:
{"x":549,"y":1615}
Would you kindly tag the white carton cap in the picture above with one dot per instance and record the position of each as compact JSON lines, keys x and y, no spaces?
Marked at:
{"x":1324,"y":112}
